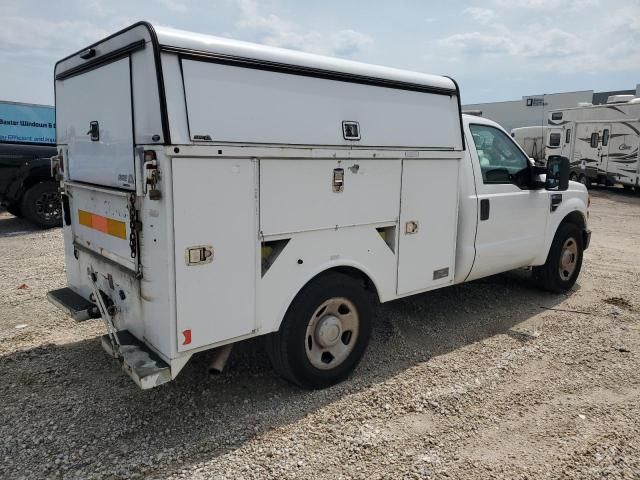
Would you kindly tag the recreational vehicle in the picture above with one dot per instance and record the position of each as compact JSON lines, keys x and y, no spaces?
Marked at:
{"x":217,"y":190}
{"x":532,"y":139}
{"x":601,"y":141}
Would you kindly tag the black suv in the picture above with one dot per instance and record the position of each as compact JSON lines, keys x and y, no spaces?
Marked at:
{"x":26,"y":186}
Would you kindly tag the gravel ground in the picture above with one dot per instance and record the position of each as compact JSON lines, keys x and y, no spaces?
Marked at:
{"x":492,"y":379}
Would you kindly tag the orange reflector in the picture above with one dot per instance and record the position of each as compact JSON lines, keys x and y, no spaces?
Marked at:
{"x":106,"y":225}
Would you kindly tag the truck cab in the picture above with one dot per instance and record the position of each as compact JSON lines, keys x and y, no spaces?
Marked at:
{"x":508,"y":217}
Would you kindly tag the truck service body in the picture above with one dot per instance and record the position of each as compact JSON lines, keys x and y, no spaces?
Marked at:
{"x":217,"y":190}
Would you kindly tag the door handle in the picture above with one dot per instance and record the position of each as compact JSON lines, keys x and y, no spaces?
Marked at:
{"x":484,"y":209}
{"x":556,"y":200}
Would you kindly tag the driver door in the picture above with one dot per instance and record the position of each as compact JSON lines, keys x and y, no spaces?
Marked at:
{"x":511,"y":217}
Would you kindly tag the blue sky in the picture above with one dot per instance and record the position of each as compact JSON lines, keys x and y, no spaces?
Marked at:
{"x":495,"y":49}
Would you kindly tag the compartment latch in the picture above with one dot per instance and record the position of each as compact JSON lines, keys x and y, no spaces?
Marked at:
{"x":198,"y":255}
{"x":338,"y":180}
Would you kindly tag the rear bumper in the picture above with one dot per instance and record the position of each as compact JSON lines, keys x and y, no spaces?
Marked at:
{"x":586,"y":238}
{"x":146,"y":368}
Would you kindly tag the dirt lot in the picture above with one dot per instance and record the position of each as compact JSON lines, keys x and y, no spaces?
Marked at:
{"x":492,"y":379}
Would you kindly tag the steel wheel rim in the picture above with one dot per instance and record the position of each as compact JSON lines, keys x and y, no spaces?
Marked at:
{"x":568,"y":259}
{"x":332,"y":333}
{"x":48,"y":206}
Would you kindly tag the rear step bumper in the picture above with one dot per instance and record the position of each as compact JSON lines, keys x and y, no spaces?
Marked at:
{"x":78,"y":307}
{"x":146,"y":368}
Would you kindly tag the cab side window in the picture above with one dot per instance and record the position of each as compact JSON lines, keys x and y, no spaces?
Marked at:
{"x":501,"y":161}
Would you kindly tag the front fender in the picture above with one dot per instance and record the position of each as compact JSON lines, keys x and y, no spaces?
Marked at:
{"x":566,"y":208}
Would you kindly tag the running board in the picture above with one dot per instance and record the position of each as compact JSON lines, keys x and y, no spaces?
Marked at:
{"x":146,"y":368}
{"x":78,"y":307}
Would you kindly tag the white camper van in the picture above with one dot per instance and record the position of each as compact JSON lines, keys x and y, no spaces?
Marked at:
{"x":601,"y":141}
{"x":217,"y":190}
{"x":532,"y":141}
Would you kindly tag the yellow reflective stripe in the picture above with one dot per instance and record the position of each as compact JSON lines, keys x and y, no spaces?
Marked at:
{"x":112,"y":227}
{"x":84,"y":218}
{"x":116,"y":228}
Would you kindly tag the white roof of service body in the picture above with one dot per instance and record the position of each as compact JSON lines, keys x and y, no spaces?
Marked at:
{"x":197,"y":42}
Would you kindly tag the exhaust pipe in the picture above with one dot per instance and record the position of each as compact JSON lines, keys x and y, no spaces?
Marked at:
{"x":220,"y":357}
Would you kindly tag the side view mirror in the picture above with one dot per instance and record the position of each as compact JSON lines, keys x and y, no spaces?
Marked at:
{"x":557,"y":173}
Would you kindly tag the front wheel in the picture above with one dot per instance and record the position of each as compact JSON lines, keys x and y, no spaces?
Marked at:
{"x":564,"y":261}
{"x":573,"y":177}
{"x":41,"y":205}
{"x":324,"y":333}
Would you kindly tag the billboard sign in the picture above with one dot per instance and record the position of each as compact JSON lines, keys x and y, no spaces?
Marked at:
{"x":24,"y":123}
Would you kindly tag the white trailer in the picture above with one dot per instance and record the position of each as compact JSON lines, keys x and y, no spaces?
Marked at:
{"x":217,"y":190}
{"x":532,"y":140}
{"x":600,"y":140}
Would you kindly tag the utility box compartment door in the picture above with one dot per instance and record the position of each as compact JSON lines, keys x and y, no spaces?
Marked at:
{"x":100,"y":222}
{"x":428,"y":220}
{"x":302,"y":195}
{"x":214,"y":210}
{"x":94,"y":114}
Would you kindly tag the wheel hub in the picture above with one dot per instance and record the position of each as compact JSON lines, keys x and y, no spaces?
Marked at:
{"x":332,"y":333}
{"x":568,"y":259}
{"x":328,"y":331}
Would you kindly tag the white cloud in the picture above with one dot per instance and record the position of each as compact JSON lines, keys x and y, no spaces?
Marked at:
{"x":178,"y":6}
{"x":515,"y":40}
{"x":347,"y":43}
{"x":278,"y":32}
{"x":556,"y":7}
{"x":482,"y":15}
{"x":474,"y":43}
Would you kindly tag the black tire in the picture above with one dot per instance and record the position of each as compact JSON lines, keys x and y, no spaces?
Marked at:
{"x":552,"y":276}
{"x":583,"y":179}
{"x":288,"y":347}
{"x":573,"y":177}
{"x":14,"y":210}
{"x":41,"y":205}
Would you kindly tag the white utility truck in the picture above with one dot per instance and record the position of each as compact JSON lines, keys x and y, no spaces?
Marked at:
{"x":601,"y":141}
{"x":217,"y":190}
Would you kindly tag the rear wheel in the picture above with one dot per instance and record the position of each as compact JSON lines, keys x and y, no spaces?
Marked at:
{"x":564,"y":261}
{"x":324,"y":333}
{"x":584,"y":180}
{"x":573,"y":177}
{"x":41,"y":205}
